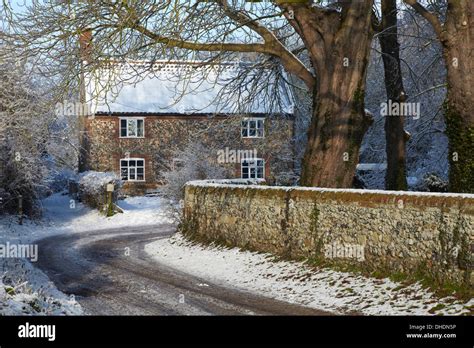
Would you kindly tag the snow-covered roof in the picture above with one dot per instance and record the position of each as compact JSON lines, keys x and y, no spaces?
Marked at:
{"x":184,"y":87}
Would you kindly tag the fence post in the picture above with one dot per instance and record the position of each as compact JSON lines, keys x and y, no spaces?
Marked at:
{"x":110,"y":207}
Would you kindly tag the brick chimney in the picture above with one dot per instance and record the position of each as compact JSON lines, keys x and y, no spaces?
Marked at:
{"x":85,"y":44}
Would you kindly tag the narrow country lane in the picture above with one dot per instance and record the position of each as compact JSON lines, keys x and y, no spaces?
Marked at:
{"x":109,"y":273}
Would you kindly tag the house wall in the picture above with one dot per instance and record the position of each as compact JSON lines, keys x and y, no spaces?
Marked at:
{"x":166,"y":134}
{"x":422,"y":234}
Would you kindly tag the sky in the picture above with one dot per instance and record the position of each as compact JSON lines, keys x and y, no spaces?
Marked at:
{"x":18,"y":5}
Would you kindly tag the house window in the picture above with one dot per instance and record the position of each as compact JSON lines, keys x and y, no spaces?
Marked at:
{"x":132,"y":169}
{"x":253,"y":168}
{"x":252,"y":128}
{"x":132,"y":128}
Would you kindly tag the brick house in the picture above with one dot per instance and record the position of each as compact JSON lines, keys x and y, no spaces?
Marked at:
{"x":141,"y":113}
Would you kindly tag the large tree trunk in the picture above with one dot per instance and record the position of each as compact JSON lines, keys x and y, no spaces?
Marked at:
{"x":339,"y":45}
{"x":336,"y":131}
{"x":458,"y":44}
{"x":395,"y":136}
{"x":457,"y":37}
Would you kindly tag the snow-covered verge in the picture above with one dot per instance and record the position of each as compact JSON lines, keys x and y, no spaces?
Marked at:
{"x":295,"y":282}
{"x":26,"y":290}
{"x":62,"y":215}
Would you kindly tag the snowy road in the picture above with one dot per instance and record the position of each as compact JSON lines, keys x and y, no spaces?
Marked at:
{"x":109,"y":273}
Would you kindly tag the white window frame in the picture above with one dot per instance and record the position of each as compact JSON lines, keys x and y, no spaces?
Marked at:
{"x":127,"y":119}
{"x":248,"y":120}
{"x":252,"y":165}
{"x":128,"y":169}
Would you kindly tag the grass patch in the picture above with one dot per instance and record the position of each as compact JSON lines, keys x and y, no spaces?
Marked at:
{"x":437,"y":308}
{"x":441,"y":287}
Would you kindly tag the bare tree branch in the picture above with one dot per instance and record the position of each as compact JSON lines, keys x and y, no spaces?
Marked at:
{"x":429,"y":16}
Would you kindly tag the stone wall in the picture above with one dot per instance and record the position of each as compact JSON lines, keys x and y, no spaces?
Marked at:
{"x":406,"y":232}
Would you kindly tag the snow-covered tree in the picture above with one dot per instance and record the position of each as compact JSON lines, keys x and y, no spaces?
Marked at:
{"x":194,"y":162}
{"x":424,"y":77}
{"x":36,"y":143}
{"x":23,"y":138}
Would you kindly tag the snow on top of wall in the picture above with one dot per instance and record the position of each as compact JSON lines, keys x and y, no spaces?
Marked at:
{"x":238,"y":184}
{"x":184,"y":87}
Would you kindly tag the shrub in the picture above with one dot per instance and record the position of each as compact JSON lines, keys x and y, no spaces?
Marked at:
{"x":433,"y":183}
{"x":195,"y":162}
{"x":93,"y":185}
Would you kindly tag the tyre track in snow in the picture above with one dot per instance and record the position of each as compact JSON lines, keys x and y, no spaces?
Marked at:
{"x":109,"y":273}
